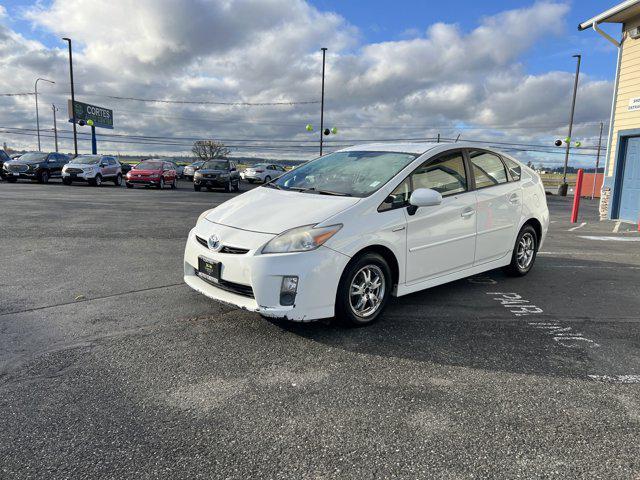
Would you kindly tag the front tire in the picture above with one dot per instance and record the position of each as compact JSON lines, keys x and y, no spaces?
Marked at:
{"x":267,"y":179}
{"x":161,"y":184}
{"x":524,"y":253}
{"x":67,"y":181}
{"x":97,"y":181}
{"x":44,"y":177}
{"x":129,"y":185}
{"x":197,"y":188}
{"x":11,"y":180}
{"x":236,"y":186}
{"x":363,"y":290}
{"x":250,"y":180}
{"x":118,"y":180}
{"x":174,"y":184}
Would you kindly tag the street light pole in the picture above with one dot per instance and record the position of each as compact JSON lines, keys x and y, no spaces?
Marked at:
{"x":324,"y":53}
{"x":37,"y":114}
{"x":55,"y":125}
{"x":564,"y":186}
{"x":73,"y":98}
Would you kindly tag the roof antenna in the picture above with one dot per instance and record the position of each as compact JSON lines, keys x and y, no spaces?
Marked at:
{"x":457,"y":138}
{"x":438,"y":137}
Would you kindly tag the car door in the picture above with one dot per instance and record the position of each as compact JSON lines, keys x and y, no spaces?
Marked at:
{"x":233,"y":171}
{"x":441,"y":239}
{"x":170,"y":172}
{"x":54,"y":165}
{"x":499,"y":206}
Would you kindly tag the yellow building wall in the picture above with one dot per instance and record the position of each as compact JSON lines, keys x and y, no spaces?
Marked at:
{"x":628,"y":88}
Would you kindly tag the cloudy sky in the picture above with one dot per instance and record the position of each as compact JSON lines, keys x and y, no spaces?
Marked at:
{"x":498,"y":71}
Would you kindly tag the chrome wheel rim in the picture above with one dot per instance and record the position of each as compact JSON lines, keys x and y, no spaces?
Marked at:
{"x":367,"y":291}
{"x":98,"y":181}
{"x":526,"y":250}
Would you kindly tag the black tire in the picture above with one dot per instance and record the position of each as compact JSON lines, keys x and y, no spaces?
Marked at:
{"x":345,"y":310}
{"x":522,"y":263}
{"x":44,"y":177}
{"x":250,"y":180}
{"x":118,"y":180}
{"x":129,"y":185}
{"x":67,"y":181}
{"x":210,"y":189}
{"x":197,"y":188}
{"x":227,"y":186}
{"x":267,"y":179}
{"x":11,"y":180}
{"x":174,"y":184}
{"x":236,"y":187}
{"x":97,"y":181}
{"x":160,"y":184}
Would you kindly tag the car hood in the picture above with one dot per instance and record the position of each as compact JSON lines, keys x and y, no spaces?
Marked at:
{"x":268,"y":210}
{"x":210,"y":171}
{"x":81,"y":165}
{"x":144,"y":171}
{"x":17,"y":161}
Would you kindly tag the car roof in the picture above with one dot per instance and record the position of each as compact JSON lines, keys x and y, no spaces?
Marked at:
{"x":417,"y":147}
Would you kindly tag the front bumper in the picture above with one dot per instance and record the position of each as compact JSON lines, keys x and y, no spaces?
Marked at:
{"x":78,"y":177}
{"x":143,"y":181}
{"x":318,"y":272}
{"x":211,"y":182}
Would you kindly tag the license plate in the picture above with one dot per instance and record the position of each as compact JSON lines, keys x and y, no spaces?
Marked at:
{"x":16,"y":174}
{"x":209,"y":269}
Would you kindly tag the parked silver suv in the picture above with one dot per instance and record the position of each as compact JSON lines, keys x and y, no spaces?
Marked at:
{"x":94,"y":169}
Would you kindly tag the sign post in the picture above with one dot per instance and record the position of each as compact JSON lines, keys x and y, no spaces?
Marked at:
{"x":91,"y":115}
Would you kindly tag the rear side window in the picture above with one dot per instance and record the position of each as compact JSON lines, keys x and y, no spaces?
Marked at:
{"x":445,"y":175}
{"x":488,"y":169}
{"x":515,"y":170}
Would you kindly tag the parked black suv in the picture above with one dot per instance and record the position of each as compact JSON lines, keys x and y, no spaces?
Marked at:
{"x":40,"y":166}
{"x":217,"y":174}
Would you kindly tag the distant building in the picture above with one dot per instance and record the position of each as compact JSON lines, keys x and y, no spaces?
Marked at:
{"x":621,"y":188}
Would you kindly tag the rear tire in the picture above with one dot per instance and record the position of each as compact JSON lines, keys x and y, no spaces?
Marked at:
{"x":267,"y":179}
{"x":524,"y":253}
{"x":363,"y":290}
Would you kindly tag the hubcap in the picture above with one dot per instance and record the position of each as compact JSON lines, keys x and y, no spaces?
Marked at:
{"x":526,"y":250}
{"x":367,"y":291}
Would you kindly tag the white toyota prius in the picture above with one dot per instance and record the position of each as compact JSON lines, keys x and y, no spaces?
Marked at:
{"x":338,"y":235}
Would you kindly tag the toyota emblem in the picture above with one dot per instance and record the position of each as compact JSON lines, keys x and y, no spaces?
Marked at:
{"x":214,"y":242}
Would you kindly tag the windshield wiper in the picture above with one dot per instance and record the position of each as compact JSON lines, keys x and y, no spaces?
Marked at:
{"x":273,"y":185}
{"x":338,"y":194}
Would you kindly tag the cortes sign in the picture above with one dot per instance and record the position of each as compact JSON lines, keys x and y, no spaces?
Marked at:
{"x":91,"y":114}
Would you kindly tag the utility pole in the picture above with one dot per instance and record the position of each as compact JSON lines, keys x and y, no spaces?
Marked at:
{"x":595,"y":176}
{"x":324,"y":53}
{"x":564,"y":187}
{"x":55,"y":125}
{"x":73,"y":99}
{"x":37,"y":114}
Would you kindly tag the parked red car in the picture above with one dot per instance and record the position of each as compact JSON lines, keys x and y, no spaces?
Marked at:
{"x":156,"y":173}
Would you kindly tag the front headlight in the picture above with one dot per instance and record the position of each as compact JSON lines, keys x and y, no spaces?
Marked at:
{"x":34,"y":166}
{"x":197,"y":174}
{"x":301,"y":239}
{"x":204,"y":214}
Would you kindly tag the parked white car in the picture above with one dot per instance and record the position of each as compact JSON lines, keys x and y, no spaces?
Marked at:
{"x":341,"y":234}
{"x":262,"y":172}
{"x":94,"y":169}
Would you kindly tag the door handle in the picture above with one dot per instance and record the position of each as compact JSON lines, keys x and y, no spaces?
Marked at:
{"x":514,"y":198}
{"x":467,"y":213}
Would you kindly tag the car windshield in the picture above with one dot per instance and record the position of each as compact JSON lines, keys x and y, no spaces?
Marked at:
{"x":216,"y":165}
{"x":196,"y":164}
{"x":260,"y":165}
{"x":29,"y":157}
{"x":357,"y":174}
{"x":148,"y":166}
{"x":87,"y":159}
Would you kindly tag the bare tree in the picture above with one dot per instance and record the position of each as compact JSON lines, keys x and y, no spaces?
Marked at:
{"x":210,"y":149}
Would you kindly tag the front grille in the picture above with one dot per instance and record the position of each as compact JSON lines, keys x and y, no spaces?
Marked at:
{"x":225,"y":249}
{"x":18,"y":168}
{"x":74,"y":170}
{"x":237,"y":288}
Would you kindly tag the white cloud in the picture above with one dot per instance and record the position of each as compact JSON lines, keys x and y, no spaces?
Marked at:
{"x":268,"y":50}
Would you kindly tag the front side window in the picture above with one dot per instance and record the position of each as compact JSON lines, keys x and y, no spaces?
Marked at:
{"x":445,"y":175}
{"x":352,"y":173}
{"x":488,"y":169}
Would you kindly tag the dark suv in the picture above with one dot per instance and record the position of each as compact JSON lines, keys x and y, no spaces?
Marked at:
{"x":217,"y":174}
{"x":38,"y":166}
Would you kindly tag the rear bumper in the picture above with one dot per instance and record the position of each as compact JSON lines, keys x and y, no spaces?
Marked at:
{"x":318,"y":272}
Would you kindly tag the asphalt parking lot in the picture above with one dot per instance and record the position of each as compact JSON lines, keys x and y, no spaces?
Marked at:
{"x":110,"y":367}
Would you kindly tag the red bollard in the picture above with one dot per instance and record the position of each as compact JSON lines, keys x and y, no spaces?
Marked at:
{"x":576,"y":197}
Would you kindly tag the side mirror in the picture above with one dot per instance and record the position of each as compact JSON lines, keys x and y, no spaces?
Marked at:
{"x":425,"y":197}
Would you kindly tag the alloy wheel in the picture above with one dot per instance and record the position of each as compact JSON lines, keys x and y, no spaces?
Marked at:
{"x":526,"y":251}
{"x":366,"y":291}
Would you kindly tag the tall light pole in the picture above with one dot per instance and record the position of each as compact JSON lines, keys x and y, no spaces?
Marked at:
{"x":37,"y":114}
{"x":564,"y":186}
{"x":324,"y":53}
{"x":73,"y":98}
{"x":55,"y":125}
